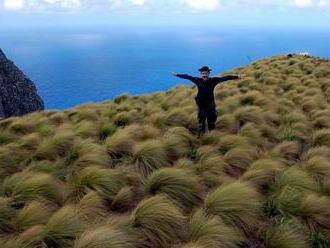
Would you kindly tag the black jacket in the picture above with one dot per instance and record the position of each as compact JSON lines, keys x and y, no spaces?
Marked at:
{"x":205,"y":95}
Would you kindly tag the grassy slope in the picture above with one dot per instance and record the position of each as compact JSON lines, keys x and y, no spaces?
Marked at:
{"x":130,"y":173}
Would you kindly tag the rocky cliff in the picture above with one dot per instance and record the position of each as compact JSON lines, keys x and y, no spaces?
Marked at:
{"x":18,"y":94}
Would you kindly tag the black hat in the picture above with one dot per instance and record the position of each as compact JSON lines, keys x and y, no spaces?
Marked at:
{"x":205,"y":68}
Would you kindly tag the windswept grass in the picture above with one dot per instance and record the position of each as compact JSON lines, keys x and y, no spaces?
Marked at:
{"x":131,"y":172}
{"x":106,"y":182}
{"x":286,"y":235}
{"x":63,"y":227}
{"x":25,"y":186}
{"x":35,"y":213}
{"x":178,"y":184}
{"x":160,"y":221}
{"x":119,"y":144}
{"x":103,"y":237}
{"x":149,"y":156}
{"x":238,"y":204}
{"x":210,"y":231}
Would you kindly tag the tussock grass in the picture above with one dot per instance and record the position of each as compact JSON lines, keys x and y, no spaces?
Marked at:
{"x":315,"y":209}
{"x":254,"y":134}
{"x":229,"y":142}
{"x":160,"y":221}
{"x":319,"y":151}
{"x":93,"y":208}
{"x":11,"y":157}
{"x":250,"y":114}
{"x":30,"y":141}
{"x":55,"y":146}
{"x":318,"y":167}
{"x":85,"y":130}
{"x":123,"y":198}
{"x":177,"y":144}
{"x":119,"y":144}
{"x":212,"y":171}
{"x":321,"y":138}
{"x":262,"y":173}
{"x":178,"y":184}
{"x":86,"y":153}
{"x":131,"y":172}
{"x":210,"y":231}
{"x":238,"y":204}
{"x":35,"y":213}
{"x":286,"y":235}
{"x":106,"y":182}
{"x":103,"y":237}
{"x":105,"y":130}
{"x":288,"y":151}
{"x":6,"y":137}
{"x":143,"y":132}
{"x":63,"y":227}
{"x":27,"y":186}
{"x":149,"y":156}
{"x":297,"y":179}
{"x":7,"y":215}
{"x":240,"y":158}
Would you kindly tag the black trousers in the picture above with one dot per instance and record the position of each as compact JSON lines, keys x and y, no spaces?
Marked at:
{"x":206,"y":113}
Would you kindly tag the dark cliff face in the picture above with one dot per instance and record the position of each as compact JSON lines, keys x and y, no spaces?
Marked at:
{"x":18,"y":94}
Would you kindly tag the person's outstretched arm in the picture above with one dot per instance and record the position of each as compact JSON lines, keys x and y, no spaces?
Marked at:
{"x":186,"y":76}
{"x":218,"y":80}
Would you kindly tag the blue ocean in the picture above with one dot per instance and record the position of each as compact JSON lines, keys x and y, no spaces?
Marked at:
{"x":72,"y":67}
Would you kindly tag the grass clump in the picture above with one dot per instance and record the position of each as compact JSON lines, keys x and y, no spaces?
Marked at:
{"x":286,"y":235}
{"x":56,"y":146}
{"x":178,"y":184}
{"x":238,"y":204}
{"x":24,"y":187}
{"x":105,"y":181}
{"x":35,"y":213}
{"x":103,"y":237}
{"x":119,"y":144}
{"x":210,"y":231}
{"x":63,"y":227}
{"x":159,"y":220}
{"x":149,"y":156}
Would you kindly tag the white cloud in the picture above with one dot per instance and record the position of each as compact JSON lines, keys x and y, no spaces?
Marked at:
{"x":167,"y":5}
{"x":323,"y":3}
{"x":303,"y":3}
{"x":203,"y":4}
{"x":14,"y":4}
{"x":69,"y":4}
{"x":139,"y":2}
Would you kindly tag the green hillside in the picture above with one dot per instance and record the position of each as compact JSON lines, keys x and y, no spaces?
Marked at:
{"x":131,"y":172}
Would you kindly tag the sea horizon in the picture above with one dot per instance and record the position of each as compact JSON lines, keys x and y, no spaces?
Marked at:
{"x":71,"y":66}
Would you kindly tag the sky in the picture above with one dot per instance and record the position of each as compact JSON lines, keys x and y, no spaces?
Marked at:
{"x":74,"y":13}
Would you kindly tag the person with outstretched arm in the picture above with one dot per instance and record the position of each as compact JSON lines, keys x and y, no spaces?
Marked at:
{"x":205,"y":96}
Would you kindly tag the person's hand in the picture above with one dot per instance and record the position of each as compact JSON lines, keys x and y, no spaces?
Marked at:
{"x":174,"y":74}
